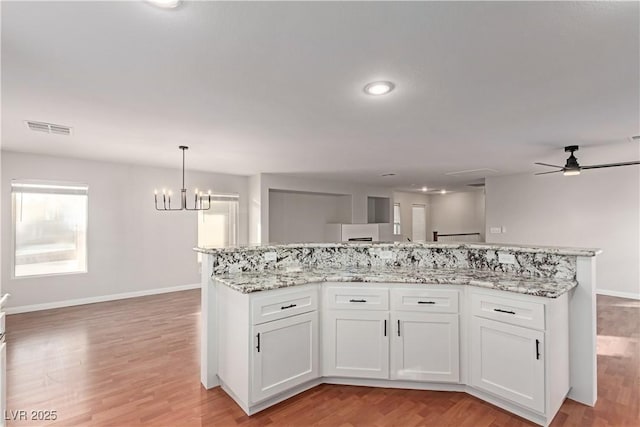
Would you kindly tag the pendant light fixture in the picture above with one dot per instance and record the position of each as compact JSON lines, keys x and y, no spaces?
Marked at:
{"x":200,"y":202}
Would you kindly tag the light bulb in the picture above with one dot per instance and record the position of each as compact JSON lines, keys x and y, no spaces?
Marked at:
{"x":378,"y":88}
{"x":164,"y":191}
{"x":155,"y":191}
{"x":424,"y":189}
{"x":209,"y":192}
{"x":443,"y":191}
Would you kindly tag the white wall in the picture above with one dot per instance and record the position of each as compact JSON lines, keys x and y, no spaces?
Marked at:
{"x":460,"y":212}
{"x":600,"y":208}
{"x":358,"y":193}
{"x":131,"y":246}
{"x":407,"y":200}
{"x":302,"y":217}
{"x":255,"y":209}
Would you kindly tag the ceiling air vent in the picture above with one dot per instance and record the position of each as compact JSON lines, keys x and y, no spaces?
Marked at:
{"x":476,"y":184}
{"x":49,"y":128}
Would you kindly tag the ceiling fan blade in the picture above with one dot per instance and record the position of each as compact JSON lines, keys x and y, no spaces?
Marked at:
{"x":611,"y":165}
{"x":547,"y":164}
{"x":544,"y":173}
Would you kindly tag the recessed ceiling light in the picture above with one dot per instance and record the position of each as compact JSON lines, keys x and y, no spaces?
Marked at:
{"x":424,"y":189}
{"x":443,"y":191}
{"x":378,"y":88}
{"x":165,"y":4}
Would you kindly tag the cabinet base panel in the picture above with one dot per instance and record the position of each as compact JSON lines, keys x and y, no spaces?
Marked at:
{"x":510,"y":407}
{"x":368,"y":382}
{"x":261,"y":406}
{"x":360,"y":382}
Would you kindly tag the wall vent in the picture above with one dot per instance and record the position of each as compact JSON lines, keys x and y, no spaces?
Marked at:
{"x":476,"y":184}
{"x":479,"y":172}
{"x":48,"y":128}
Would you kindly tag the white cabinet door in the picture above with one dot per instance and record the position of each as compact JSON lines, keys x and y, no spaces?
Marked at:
{"x":424,"y":347}
{"x":356,"y":343}
{"x":508,"y":361}
{"x":285,"y":354}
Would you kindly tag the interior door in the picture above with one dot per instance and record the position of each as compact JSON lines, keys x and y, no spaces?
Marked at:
{"x":418,"y":223}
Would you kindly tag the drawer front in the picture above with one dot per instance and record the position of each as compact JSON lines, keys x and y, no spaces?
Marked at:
{"x":356,"y":298}
{"x":425,"y":300}
{"x":273,"y":307}
{"x":515,"y":312}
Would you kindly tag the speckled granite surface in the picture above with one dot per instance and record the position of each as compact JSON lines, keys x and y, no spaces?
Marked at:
{"x":557,"y":263}
{"x":255,"y":281}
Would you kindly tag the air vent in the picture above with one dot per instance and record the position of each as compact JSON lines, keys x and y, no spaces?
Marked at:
{"x":476,"y":184}
{"x":49,"y":128}
{"x":479,"y":172}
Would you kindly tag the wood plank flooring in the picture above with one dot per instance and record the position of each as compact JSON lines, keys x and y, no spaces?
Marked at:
{"x":136,"y":362}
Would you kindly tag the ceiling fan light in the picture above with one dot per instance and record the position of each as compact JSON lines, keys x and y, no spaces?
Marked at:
{"x":571,"y":172}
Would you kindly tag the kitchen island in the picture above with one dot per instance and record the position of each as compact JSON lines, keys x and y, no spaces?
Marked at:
{"x":512,"y":325}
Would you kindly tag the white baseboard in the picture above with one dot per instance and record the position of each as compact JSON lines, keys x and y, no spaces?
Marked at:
{"x":101,"y":298}
{"x":629,"y":295}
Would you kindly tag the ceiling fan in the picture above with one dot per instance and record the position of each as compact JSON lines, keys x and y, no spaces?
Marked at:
{"x":572,"y":167}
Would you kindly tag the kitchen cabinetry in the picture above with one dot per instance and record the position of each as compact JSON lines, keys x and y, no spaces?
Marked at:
{"x":284,"y":354}
{"x":510,"y":350}
{"x":356,"y":331}
{"x":417,"y":340}
{"x":425,"y":347}
{"x":356,"y":343}
{"x":510,"y":356}
{"x":268,"y":343}
{"x":508,"y":361}
{"x":425,"y":342}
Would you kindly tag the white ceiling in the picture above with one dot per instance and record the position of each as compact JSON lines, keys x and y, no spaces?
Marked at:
{"x":277,"y":87}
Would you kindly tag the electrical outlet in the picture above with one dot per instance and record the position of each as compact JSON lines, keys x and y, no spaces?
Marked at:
{"x":495,"y":230}
{"x":386,"y":254}
{"x":505,"y":258}
{"x":270,"y":256}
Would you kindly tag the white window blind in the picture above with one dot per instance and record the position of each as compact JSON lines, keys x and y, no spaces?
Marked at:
{"x":49,"y":227}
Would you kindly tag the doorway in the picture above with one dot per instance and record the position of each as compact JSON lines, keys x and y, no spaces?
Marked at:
{"x":418,"y":223}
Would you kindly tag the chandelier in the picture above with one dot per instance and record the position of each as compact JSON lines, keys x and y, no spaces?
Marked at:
{"x":200,"y":202}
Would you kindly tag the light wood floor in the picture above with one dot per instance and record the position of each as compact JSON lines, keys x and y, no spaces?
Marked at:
{"x":136,"y":362}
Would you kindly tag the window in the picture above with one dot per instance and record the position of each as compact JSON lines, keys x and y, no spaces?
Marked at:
{"x":396,"y":218}
{"x":218,"y":226}
{"x":49,"y":228}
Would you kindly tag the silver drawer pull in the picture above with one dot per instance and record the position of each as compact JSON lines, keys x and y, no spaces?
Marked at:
{"x":426,"y":302}
{"x":357,"y":300}
{"x":499,"y":310}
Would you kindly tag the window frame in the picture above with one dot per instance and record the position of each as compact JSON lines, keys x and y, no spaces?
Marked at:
{"x":13,"y":227}
{"x":399,"y":223}
{"x":222,"y":197}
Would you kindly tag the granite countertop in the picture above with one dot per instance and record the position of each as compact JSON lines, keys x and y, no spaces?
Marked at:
{"x":248,"y":282}
{"x":588,"y":252}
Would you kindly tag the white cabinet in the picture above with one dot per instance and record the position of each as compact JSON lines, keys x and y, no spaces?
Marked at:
{"x":425,"y":347}
{"x":356,"y":343}
{"x":285,"y":355}
{"x":508,"y":361}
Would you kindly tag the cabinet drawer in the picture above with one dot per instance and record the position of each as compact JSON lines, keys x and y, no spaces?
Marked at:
{"x":356,"y":298}
{"x":522,"y":313}
{"x":273,"y":307}
{"x":425,"y":300}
